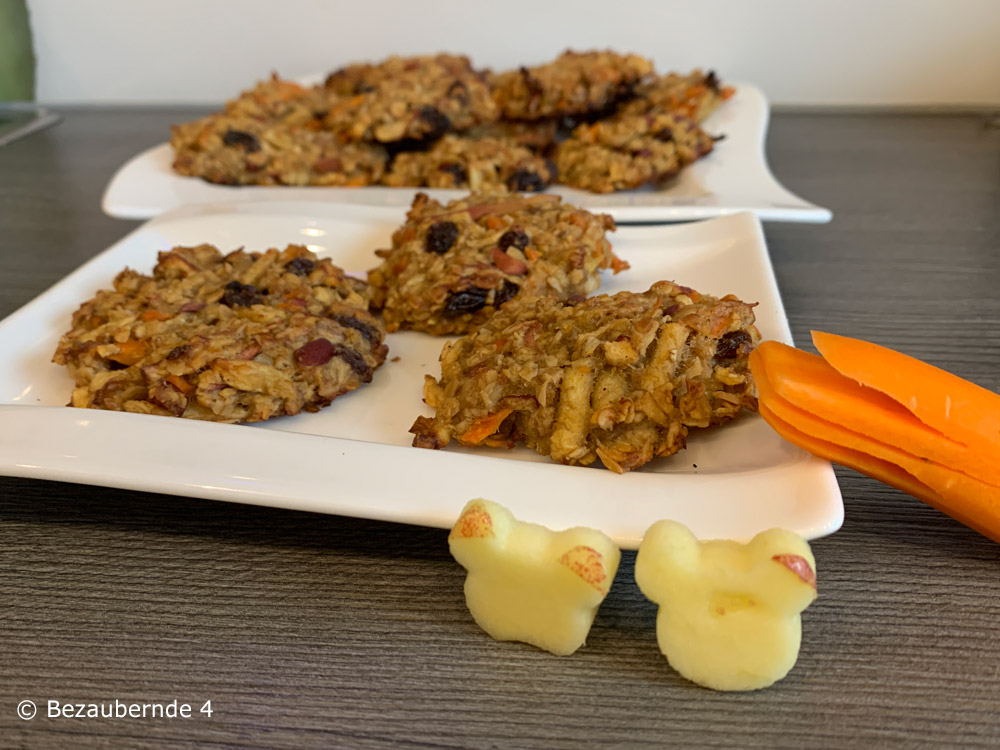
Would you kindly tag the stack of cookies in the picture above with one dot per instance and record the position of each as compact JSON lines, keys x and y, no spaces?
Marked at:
{"x":600,"y":121}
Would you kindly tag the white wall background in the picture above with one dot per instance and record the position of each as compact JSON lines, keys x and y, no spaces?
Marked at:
{"x":801,"y":52}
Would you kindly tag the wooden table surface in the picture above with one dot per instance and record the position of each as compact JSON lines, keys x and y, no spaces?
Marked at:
{"x":320,"y":631}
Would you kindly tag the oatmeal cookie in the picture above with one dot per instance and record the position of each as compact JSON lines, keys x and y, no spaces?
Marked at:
{"x":694,"y":96}
{"x":230,"y":149}
{"x":538,"y":135}
{"x":280,"y":99}
{"x":237,"y":338}
{"x":455,"y":162}
{"x":627,"y":151}
{"x":618,"y":378}
{"x":574,"y":83}
{"x":452,"y":266}
{"x":408,"y":99}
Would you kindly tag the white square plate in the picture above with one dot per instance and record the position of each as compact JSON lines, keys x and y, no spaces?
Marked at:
{"x":733,"y":178}
{"x":354,"y":457}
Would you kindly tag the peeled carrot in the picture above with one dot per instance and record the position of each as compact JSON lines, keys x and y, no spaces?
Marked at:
{"x":941,"y":479}
{"x":483,"y":427}
{"x":960,"y":409}
{"x":861,"y":462}
{"x":810,"y":383}
{"x":986,"y":524}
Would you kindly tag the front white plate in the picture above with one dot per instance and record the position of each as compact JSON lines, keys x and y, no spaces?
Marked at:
{"x":354,"y":457}
{"x":734,"y":178}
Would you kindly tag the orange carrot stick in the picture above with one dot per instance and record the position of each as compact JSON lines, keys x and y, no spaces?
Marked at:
{"x":881,"y":470}
{"x":810,"y":383}
{"x":960,"y":409}
{"x":483,"y":427}
{"x":941,"y":479}
{"x":968,"y":500}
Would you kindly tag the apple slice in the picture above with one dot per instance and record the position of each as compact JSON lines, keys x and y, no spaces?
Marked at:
{"x":729,"y":612}
{"x":528,"y":583}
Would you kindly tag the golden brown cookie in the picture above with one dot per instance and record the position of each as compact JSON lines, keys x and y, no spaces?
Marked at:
{"x":619,"y":378}
{"x":452,"y":266}
{"x":241,"y":337}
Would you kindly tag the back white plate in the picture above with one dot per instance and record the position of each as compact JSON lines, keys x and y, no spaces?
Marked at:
{"x":733,"y":178}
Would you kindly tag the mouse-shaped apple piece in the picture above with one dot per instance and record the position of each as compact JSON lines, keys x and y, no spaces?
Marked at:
{"x":729,"y":612}
{"x":528,"y":583}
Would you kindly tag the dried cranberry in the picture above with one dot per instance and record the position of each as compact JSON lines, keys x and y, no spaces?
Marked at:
{"x":731,"y":343}
{"x":370,"y":332}
{"x":314,"y":353}
{"x":712,"y":81}
{"x":516,"y":237}
{"x":525,"y":181}
{"x":505,"y":293}
{"x":440,"y":237}
{"x":300,"y":266}
{"x":664,"y":134}
{"x":459,"y":174}
{"x":240,"y":138}
{"x":467,"y":301}
{"x":328,"y":165}
{"x":241,"y":295}
{"x":437,"y":122}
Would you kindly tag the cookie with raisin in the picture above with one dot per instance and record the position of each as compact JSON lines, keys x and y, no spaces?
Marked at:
{"x":621,"y":379}
{"x":474,"y":164}
{"x":452,"y":266}
{"x":241,"y":337}
{"x":575,"y":83}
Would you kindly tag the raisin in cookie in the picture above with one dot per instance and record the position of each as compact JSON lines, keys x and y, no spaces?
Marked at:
{"x":575,"y":83}
{"x":452,"y":266}
{"x":618,"y":378}
{"x":455,"y":162}
{"x":237,"y":338}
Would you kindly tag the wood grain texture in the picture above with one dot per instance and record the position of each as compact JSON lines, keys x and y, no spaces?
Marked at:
{"x":320,"y":631}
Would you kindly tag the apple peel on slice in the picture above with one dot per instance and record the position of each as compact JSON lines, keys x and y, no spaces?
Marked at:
{"x":729,"y":615}
{"x":528,"y":583}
